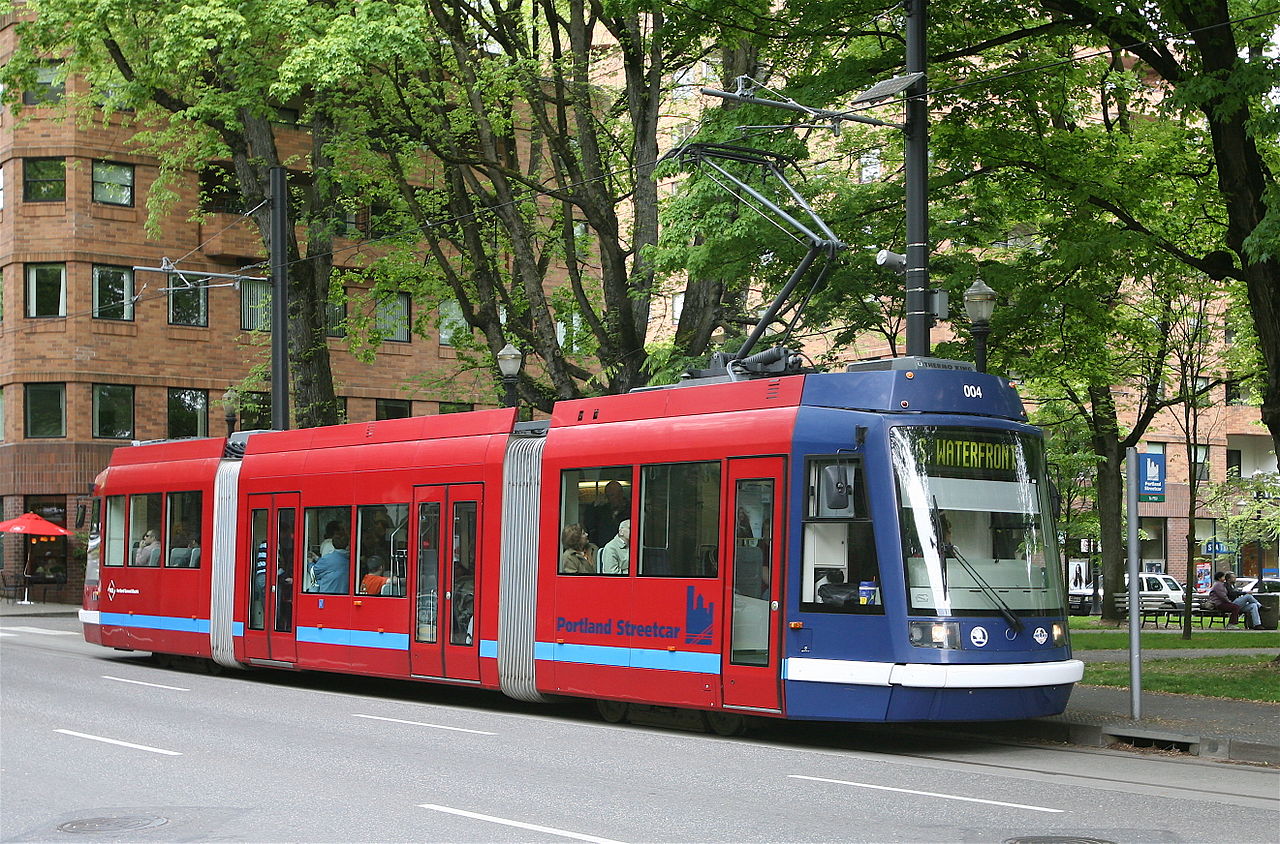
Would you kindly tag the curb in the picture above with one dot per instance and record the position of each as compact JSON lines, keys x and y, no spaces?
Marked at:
{"x":1084,"y":734}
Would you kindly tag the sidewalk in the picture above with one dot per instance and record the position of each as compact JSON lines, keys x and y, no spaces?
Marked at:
{"x":1096,"y":716}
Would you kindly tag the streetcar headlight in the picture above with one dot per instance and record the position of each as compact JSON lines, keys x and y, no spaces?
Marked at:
{"x":935,"y":634}
{"x":1060,"y":637}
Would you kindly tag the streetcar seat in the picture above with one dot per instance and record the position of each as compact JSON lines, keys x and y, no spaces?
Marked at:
{"x":838,"y":594}
{"x":180,"y":558}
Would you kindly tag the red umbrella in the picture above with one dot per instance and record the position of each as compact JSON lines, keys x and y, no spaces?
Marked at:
{"x":31,"y":525}
{"x":34,"y":525}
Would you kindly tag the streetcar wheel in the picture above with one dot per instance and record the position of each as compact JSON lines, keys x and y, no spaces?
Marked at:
{"x":726,"y":723}
{"x":613,"y":711}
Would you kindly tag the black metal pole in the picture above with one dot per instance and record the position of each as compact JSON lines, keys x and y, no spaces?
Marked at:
{"x":980,"y":331}
{"x":509,"y":397}
{"x":279,"y":300}
{"x":919,"y":316}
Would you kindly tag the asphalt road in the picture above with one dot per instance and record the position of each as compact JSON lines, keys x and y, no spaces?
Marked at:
{"x":97,"y":745}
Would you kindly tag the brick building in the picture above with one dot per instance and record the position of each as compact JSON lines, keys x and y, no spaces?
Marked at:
{"x":94,"y":354}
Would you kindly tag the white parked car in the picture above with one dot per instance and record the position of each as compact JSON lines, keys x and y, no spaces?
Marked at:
{"x":1162,"y":585}
{"x":1251,"y":584}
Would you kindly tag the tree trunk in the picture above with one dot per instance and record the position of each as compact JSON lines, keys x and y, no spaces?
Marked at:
{"x":1106,"y":446}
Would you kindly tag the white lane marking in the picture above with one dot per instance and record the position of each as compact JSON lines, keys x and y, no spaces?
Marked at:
{"x":40,"y":631}
{"x":121,"y":743}
{"x":140,"y":683}
{"x":519,"y":824}
{"x":423,"y":724}
{"x":928,"y":794}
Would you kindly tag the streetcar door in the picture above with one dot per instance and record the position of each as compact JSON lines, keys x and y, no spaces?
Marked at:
{"x":272,"y":559}
{"x":446,"y":637}
{"x":753,"y":532}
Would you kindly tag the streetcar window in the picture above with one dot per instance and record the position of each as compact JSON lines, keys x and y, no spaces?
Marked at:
{"x":595,"y":521}
{"x":328,"y":543}
{"x":382,"y":549}
{"x":841,"y":569}
{"x":258,"y":591}
{"x":114,"y":546}
{"x":183,"y":536}
{"x":428,"y":570}
{"x":679,"y":520}
{"x":93,"y":548}
{"x":144,"y":529}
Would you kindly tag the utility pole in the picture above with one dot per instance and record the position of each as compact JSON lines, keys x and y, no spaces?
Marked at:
{"x":919,"y":307}
{"x":279,"y":300}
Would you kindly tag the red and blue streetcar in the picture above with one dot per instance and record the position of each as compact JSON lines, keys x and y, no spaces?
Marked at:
{"x":869,"y":545}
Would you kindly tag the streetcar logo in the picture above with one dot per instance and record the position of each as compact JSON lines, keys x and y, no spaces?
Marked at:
{"x":978,"y":636}
{"x":1040,"y":636}
{"x":112,"y":591}
{"x":699,"y":618}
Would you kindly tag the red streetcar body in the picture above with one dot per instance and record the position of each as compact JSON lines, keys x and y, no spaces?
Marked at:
{"x":738,"y":547}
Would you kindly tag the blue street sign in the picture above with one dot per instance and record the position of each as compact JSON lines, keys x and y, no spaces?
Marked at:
{"x":1151,"y":477}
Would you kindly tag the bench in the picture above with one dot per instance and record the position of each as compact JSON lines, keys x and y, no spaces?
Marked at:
{"x":1155,"y":608}
{"x":1205,"y":614}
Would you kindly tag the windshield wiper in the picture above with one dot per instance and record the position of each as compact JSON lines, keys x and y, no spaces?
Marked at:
{"x":949,"y":550}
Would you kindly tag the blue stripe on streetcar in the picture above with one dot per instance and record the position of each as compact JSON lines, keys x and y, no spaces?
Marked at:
{"x":489,"y":648}
{"x":616,"y":657}
{"x":155,"y":622}
{"x":353,"y":638}
{"x":237,"y":628}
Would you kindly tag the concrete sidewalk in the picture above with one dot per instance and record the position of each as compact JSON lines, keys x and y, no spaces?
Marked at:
{"x":1096,"y":716}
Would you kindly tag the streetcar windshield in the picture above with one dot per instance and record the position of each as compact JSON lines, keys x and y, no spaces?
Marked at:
{"x":976,"y":531}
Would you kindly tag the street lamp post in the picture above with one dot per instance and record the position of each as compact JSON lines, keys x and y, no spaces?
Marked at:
{"x":979,"y":303}
{"x":510,"y":360}
{"x":231,"y":409}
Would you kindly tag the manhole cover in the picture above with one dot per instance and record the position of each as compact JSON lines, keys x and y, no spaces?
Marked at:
{"x":1056,"y":839}
{"x":128,"y":823}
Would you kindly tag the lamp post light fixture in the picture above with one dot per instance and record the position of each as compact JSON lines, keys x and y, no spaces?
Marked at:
{"x":231,"y":409}
{"x":510,"y":360}
{"x":979,"y":303}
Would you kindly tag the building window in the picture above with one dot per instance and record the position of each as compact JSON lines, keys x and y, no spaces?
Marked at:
{"x":1,"y":188}
{"x":1151,"y":545}
{"x":679,"y":520}
{"x":220,"y":190}
{"x":453,"y":326}
{"x":255,"y":411}
{"x":188,"y":303}
{"x":1,"y":414}
{"x":255,"y":305}
{"x":112,"y":183}
{"x":113,"y":411}
{"x":45,"y":406}
{"x":392,"y":318}
{"x":391,"y":408}
{"x":1200,"y":462}
{"x":1235,"y":461}
{"x":49,"y":88}
{"x":112,"y":293}
{"x":46,"y":290}
{"x":44,"y":179}
{"x":335,"y":324}
{"x":456,"y":407}
{"x":1239,"y":392}
{"x":47,"y":555}
{"x":188,"y":413}
{"x":1155,"y":448}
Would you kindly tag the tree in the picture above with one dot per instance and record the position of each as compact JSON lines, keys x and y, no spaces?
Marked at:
{"x":517,"y":142}
{"x":196,"y":83}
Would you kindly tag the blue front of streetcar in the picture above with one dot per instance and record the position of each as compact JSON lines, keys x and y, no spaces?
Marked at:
{"x":925,"y":582}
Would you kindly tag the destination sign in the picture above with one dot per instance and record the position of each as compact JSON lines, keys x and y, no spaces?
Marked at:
{"x":972,"y":454}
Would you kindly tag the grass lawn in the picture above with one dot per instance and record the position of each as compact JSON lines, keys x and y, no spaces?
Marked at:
{"x":1239,"y":677}
{"x":1119,"y":640}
